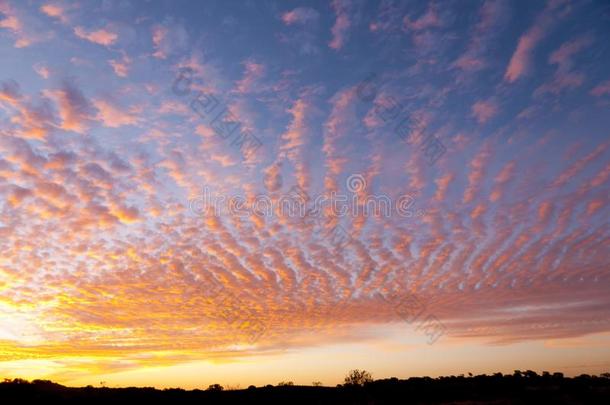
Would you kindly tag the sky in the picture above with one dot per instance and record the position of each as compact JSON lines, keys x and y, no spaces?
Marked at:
{"x":262,"y":191}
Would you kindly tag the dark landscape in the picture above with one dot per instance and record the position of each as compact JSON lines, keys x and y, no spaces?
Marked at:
{"x":519,"y":388}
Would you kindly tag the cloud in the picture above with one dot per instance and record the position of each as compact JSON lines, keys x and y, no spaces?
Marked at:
{"x":429,"y":19}
{"x":114,"y":117}
{"x":601,"y":89}
{"x":442,"y":183}
{"x":55,"y":10}
{"x":42,"y":70}
{"x":253,"y":73}
{"x":300,"y":15}
{"x":520,"y":61}
{"x":26,"y":29}
{"x":492,"y":17}
{"x":304,"y":36}
{"x":295,"y":138}
{"x":103,"y":36}
{"x":336,"y":128}
{"x":569,"y":173}
{"x":10,"y":92}
{"x":32,"y":120}
{"x":168,"y":38}
{"x":564,"y":77}
{"x":121,"y":66}
{"x":563,"y":56}
{"x":75,"y":111}
{"x":484,"y":110}
{"x":342,"y":23}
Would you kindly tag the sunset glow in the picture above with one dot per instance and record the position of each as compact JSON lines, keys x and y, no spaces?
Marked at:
{"x":250,"y":192}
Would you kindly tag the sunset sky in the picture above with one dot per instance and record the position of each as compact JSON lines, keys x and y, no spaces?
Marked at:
{"x":486,"y":124}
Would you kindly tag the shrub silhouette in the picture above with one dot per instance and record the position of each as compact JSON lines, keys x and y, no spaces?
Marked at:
{"x":215,"y":387}
{"x":358,"y":377}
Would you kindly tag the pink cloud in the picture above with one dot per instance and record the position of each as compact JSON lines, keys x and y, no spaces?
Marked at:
{"x":429,"y":20}
{"x":342,"y":23}
{"x":601,"y":89}
{"x":42,"y":70}
{"x":491,"y":16}
{"x":159,"y":34}
{"x":167,"y":39}
{"x":55,"y":11}
{"x":484,"y":110}
{"x":300,"y":15}
{"x":442,"y":183}
{"x":121,"y":66}
{"x":294,"y":139}
{"x":253,"y":72}
{"x":579,"y":165}
{"x":564,"y":77}
{"x":478,"y":169}
{"x":21,"y":26}
{"x":563,"y":56}
{"x":520,"y":60}
{"x":102,"y":36}
{"x":560,"y":82}
{"x":469,"y":63}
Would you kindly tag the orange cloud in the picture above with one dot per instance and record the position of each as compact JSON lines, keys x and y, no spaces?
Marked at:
{"x":55,"y":11}
{"x":114,"y":117}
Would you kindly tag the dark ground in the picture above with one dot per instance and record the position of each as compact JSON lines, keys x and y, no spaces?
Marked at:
{"x":519,"y":388}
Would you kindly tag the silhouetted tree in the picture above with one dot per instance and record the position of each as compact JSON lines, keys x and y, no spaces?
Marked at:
{"x":530,"y":374}
{"x":285,"y":384}
{"x":215,"y":387}
{"x":316,"y":384}
{"x":358,"y":377}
